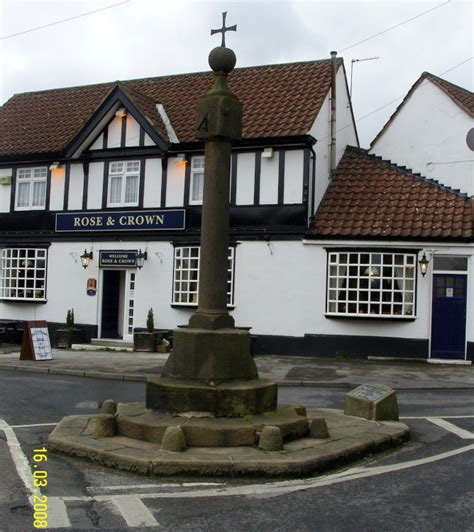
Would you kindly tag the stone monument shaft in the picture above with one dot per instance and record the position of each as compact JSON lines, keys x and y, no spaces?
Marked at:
{"x":219,"y":124}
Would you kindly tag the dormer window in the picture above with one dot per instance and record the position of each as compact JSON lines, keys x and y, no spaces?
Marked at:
{"x":197,"y":180}
{"x":124,"y":179}
{"x":31,"y":188}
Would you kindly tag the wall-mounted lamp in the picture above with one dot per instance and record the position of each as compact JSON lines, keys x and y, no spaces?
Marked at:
{"x":120,"y":113}
{"x":182,"y":159}
{"x":55,"y":166}
{"x":267,"y":153}
{"x":423,"y":262}
{"x":86,"y":257}
{"x":142,"y":256}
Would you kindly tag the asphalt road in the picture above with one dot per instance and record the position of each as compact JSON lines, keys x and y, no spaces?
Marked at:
{"x":426,"y":485}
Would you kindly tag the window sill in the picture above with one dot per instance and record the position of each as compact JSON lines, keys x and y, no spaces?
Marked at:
{"x":23,"y":209}
{"x":22,"y":300}
{"x":369,"y":317}
{"x":193,"y":307}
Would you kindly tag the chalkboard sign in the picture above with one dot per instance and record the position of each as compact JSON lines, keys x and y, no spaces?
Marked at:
{"x":36,"y":344}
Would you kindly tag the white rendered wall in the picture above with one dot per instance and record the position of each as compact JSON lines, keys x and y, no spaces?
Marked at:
{"x":269,"y":179}
{"x":175,"y":183}
{"x":293,"y":186}
{"x":245,"y":179}
{"x":132,"y":132}
{"x":153,"y":175}
{"x":98,"y":144}
{"x":76,"y":187}
{"x":321,"y":131}
{"x":431,"y":128}
{"x":94,"y":191}
{"x":56,"y":199}
{"x":279,"y":289}
{"x":115,"y":132}
{"x":5,"y":190}
{"x":148,"y":141}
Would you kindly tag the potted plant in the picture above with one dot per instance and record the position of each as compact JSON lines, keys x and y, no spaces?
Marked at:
{"x":145,"y":340}
{"x":69,"y":334}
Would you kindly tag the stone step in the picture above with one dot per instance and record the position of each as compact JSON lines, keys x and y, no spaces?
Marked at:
{"x":111,"y":343}
{"x":97,"y":347}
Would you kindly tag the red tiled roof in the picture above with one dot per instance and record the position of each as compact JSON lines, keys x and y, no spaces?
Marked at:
{"x":372,"y":198}
{"x":279,"y":100}
{"x":460,"y":96}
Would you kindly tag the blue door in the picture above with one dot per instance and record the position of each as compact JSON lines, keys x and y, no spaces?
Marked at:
{"x":448,"y":323}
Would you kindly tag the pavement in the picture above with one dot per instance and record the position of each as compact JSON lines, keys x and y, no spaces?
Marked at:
{"x":285,"y":370}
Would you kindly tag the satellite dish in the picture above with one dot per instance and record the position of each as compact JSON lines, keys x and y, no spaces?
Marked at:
{"x":470,"y":139}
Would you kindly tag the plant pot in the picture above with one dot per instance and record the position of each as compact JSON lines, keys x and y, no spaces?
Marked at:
{"x":144,"y":341}
{"x":66,"y":337}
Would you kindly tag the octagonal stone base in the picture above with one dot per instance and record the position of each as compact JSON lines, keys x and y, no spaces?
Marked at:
{"x":135,"y":421}
{"x":235,"y":398}
{"x":350,"y":439}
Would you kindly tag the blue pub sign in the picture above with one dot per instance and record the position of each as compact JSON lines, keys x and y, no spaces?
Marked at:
{"x":172,"y":219}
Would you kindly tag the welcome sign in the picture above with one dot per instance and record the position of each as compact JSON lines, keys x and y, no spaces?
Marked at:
{"x":173,"y":219}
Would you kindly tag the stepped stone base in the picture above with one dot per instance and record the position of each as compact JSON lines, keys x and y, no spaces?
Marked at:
{"x":234,"y":398}
{"x":135,"y":421}
{"x":350,"y":439}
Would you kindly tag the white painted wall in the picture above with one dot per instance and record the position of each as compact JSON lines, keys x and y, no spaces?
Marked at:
{"x":98,"y":144}
{"x":148,"y":141}
{"x":76,"y":187}
{"x":56,"y":199}
{"x":153,"y":176}
{"x":321,"y":131}
{"x":132,"y":132}
{"x":431,"y":128}
{"x":293,"y":185}
{"x":244,"y":194}
{"x":94,"y":191}
{"x":269,"y":179}
{"x":115,"y":132}
{"x":279,"y":290}
{"x":5,"y":190}
{"x":175,"y":183}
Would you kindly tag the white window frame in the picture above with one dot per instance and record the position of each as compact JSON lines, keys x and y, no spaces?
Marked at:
{"x":23,"y":274}
{"x":185,"y":291}
{"x":371,"y":284}
{"x":124,"y":174}
{"x":197,"y":167}
{"x":29,"y":175}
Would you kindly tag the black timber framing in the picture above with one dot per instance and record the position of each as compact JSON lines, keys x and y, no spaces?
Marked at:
{"x":123,"y":131}
{"x":105,"y":184}
{"x":281,"y":176}
{"x":48,"y":190}
{"x":257,"y":174}
{"x":85,"y":185}
{"x":67,"y":179}
{"x":13,"y":191}
{"x":141,"y":184}
{"x":164,"y":180}
{"x":187,"y":183}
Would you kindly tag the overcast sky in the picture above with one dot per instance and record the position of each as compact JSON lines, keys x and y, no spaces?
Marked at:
{"x":144,"y":38}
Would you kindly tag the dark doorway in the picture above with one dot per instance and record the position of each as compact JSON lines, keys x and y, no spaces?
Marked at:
{"x":111,"y":303}
{"x":448,"y":323}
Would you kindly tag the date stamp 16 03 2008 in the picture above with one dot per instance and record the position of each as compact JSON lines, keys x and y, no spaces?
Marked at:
{"x":40,"y":480}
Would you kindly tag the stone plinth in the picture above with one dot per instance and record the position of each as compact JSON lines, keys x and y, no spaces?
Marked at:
{"x":372,"y":401}
{"x":234,"y":398}
{"x":206,"y":355}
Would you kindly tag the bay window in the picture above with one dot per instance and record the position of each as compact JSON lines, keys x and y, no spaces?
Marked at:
{"x":375,"y":284}
{"x":23,"y":274}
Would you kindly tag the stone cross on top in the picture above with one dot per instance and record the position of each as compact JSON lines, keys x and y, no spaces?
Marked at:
{"x":224,"y":28}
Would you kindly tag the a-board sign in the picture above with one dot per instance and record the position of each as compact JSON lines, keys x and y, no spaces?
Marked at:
{"x":36,"y":344}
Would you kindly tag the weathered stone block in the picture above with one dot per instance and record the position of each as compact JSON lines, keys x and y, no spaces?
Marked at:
{"x":271,"y":439}
{"x":173,"y":440}
{"x":108,"y":407}
{"x":210,"y":356}
{"x":318,"y":428}
{"x":372,"y":401}
{"x":105,"y":426}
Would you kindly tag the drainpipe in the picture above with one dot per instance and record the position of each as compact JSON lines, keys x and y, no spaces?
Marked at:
{"x":332,"y":145}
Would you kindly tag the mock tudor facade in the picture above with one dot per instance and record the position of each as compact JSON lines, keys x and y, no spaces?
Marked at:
{"x":114,"y":172}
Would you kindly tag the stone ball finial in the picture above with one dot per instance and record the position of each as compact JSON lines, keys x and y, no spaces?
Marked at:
{"x":222,"y":59}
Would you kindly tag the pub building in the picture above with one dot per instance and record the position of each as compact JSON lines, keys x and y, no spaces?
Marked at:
{"x":100,"y":210}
